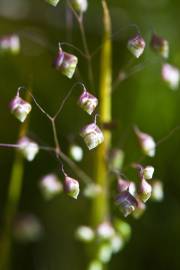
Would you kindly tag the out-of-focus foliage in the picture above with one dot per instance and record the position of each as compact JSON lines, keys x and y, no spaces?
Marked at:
{"x":143,"y":99}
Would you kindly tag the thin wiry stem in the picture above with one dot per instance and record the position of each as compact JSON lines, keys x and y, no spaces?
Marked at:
{"x":35,"y":101}
{"x":40,"y":108}
{"x":79,"y":172}
{"x":84,"y":40}
{"x":74,"y":47}
{"x":66,"y":98}
{"x":7,"y":145}
{"x":165,"y":138}
{"x":37,"y":39}
{"x":60,"y":107}
{"x":73,"y":11}
{"x":117,"y":33}
{"x":59,"y":154}
{"x":79,"y":19}
{"x":69,"y":24}
{"x":124,"y":75}
{"x":18,"y":146}
{"x":56,"y":141}
{"x":158,"y":143}
{"x":49,"y":148}
{"x":45,"y":44}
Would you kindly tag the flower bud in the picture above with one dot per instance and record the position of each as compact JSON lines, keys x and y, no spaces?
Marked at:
{"x":147,"y":143}
{"x":160,"y":45}
{"x":76,"y":152}
{"x":132,"y":188}
{"x":136,"y":45}
{"x":95,"y":265}
{"x":28,"y":148}
{"x":148,"y":172}
{"x":92,"y":136}
{"x":171,"y":75}
{"x":139,"y":211}
{"x":66,"y":63}
{"x":116,"y":159}
{"x":27,"y":228}
{"x":117,"y":243}
{"x":71,"y":187}
{"x":53,"y":2}
{"x":157,"y":191}
{"x":10,"y":44}
{"x":105,"y":231}
{"x":85,"y":234}
{"x":126,"y":202}
{"x":104,"y":253}
{"x":50,"y":186}
{"x":145,"y":190}
{"x":20,"y":108}
{"x":88,"y":102}
{"x":92,"y":190}
{"x":122,"y":228}
{"x":79,"y":5}
{"x":124,"y":185}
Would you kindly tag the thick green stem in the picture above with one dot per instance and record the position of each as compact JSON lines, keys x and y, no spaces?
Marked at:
{"x":14,"y":193}
{"x":10,"y":211}
{"x":100,"y":204}
{"x":100,"y":208}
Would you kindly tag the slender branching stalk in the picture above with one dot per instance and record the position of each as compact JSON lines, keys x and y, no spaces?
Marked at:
{"x":16,"y":178}
{"x":59,"y":154}
{"x":80,"y":21}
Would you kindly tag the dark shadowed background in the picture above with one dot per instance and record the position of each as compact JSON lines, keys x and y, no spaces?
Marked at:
{"x":144,"y":99}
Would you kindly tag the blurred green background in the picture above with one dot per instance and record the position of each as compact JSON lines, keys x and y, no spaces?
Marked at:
{"x":143,"y":99}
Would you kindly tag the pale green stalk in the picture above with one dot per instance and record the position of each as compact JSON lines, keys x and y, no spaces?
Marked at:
{"x":100,"y":204}
{"x":13,"y":197}
{"x":100,"y":208}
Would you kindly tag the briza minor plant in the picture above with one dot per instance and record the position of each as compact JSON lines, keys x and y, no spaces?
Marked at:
{"x":107,"y":232}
